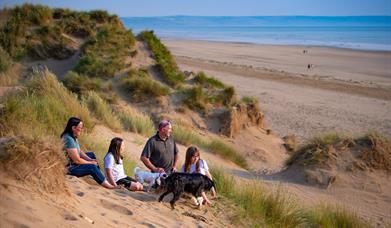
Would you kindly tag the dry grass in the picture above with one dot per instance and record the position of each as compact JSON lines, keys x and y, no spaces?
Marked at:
{"x":39,"y":163}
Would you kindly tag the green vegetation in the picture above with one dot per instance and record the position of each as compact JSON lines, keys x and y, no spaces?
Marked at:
{"x":30,"y":31}
{"x":208,"y":92}
{"x":5,"y":60}
{"x":41,"y":109}
{"x":274,"y":210}
{"x":316,"y":149}
{"x":165,"y":62}
{"x":194,"y":98}
{"x":277,"y":210}
{"x":140,"y":86}
{"x":187,"y":136}
{"x":329,"y":216}
{"x":202,"y":79}
{"x":137,"y":122}
{"x":105,"y":53}
{"x":219,"y":147}
{"x":81,"y":84}
{"x":102,"y":110}
{"x":249,"y":100}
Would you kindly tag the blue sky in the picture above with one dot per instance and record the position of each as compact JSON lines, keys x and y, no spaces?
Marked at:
{"x":223,"y":7}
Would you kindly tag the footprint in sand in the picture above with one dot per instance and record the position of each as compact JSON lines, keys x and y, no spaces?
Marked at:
{"x":81,"y":194}
{"x":69,"y":217}
{"x":112,"y":206}
{"x":148,"y":225}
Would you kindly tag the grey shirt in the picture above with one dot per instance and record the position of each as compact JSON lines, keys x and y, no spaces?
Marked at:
{"x":161,"y":153}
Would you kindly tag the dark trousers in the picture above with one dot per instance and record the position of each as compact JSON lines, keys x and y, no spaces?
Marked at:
{"x":87,"y":169}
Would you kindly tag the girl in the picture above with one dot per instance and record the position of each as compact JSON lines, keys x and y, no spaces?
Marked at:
{"x":114,"y":167}
{"x":194,"y":164}
{"x":80,"y":163}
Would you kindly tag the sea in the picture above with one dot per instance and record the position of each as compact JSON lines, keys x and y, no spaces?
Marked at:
{"x":353,"y":32}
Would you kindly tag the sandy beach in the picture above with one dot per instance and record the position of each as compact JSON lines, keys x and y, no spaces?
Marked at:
{"x":343,"y":90}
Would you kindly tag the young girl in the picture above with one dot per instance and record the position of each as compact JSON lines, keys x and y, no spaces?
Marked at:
{"x":114,"y":167}
{"x":194,"y":164}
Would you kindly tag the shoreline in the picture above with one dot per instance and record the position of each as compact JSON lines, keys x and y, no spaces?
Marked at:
{"x":166,"y":38}
{"x":346,"y":91}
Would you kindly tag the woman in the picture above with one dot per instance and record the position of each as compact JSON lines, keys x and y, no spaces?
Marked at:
{"x":80,"y":163}
{"x":114,"y":168}
{"x":194,"y":164}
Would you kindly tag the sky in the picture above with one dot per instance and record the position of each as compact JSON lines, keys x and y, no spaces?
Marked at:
{"x":141,"y":8}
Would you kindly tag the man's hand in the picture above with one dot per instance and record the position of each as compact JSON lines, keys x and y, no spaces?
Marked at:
{"x":173,"y":170}
{"x":158,"y":170}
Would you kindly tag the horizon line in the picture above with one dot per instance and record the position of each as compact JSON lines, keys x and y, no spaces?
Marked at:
{"x":179,"y":15}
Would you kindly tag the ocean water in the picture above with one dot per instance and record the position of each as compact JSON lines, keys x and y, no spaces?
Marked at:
{"x":355,"y":32}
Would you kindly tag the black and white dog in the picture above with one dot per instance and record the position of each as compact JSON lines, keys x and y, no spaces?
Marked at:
{"x":152,"y":179}
{"x":179,"y":183}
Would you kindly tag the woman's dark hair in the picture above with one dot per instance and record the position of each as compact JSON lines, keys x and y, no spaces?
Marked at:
{"x":72,"y":122}
{"x":115,"y":149}
{"x":190,"y":152}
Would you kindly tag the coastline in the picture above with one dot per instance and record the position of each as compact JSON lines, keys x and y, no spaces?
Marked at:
{"x":336,"y":47}
{"x":346,"y":91}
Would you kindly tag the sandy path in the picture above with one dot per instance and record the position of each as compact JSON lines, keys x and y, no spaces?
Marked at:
{"x":292,"y":108}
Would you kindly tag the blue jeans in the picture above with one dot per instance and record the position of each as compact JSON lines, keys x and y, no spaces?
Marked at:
{"x":87,"y":169}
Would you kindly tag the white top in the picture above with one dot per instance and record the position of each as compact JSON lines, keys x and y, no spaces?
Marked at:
{"x":203,"y":167}
{"x":117,"y":169}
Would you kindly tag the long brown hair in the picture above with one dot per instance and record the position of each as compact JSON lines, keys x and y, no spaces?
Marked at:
{"x":190,"y":152}
{"x":115,"y":149}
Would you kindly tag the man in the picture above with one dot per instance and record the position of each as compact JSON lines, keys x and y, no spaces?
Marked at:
{"x":160,"y":153}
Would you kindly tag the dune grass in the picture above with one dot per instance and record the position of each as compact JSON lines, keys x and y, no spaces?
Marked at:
{"x":5,"y":60}
{"x":199,"y":98}
{"x":315,"y":148}
{"x":219,"y":147}
{"x":186,"y":136}
{"x":102,"y":110}
{"x":140,"y":86}
{"x":335,"y":216}
{"x":135,"y":121}
{"x":194,"y":98}
{"x":104,"y":54}
{"x":165,"y":62}
{"x":205,"y":81}
{"x":264,"y":209}
{"x":42,"y":108}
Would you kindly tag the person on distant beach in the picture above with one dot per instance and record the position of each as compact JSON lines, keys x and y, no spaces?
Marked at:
{"x":160,"y":153}
{"x":114,"y":168}
{"x":80,"y":163}
{"x":194,"y":164}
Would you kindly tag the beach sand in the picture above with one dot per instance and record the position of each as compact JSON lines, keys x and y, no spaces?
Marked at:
{"x":347,"y":91}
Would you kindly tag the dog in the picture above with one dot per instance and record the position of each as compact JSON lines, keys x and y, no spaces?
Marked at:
{"x":152,"y":179}
{"x":179,"y":183}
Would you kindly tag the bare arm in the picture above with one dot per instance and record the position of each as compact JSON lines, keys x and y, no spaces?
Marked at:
{"x":150,"y":166}
{"x":85,"y":156}
{"x":176,"y":157}
{"x":207,"y":173}
{"x":72,"y":153}
{"x":110,"y":177}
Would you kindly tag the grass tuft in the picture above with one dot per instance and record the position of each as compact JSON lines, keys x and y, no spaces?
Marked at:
{"x":135,"y":121}
{"x":165,"y":62}
{"x":102,"y":110}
